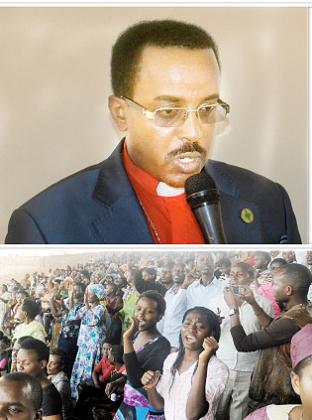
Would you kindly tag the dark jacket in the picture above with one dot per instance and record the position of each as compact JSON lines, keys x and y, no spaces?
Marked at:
{"x":98,"y":206}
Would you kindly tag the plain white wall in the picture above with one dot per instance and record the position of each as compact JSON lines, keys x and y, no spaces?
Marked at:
{"x":55,"y":82}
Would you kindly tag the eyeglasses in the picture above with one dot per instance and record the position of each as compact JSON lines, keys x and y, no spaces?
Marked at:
{"x":174,"y":117}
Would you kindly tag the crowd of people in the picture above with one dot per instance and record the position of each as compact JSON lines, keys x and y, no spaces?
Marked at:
{"x":163,"y":335}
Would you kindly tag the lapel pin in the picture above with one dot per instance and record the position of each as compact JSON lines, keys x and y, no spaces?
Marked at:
{"x":247,"y":216}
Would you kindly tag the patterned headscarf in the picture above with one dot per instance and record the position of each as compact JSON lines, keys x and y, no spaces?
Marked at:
{"x":98,"y":290}
{"x":301,"y":345}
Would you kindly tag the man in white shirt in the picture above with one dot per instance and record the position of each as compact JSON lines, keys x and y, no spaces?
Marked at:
{"x":234,"y":401}
{"x":175,"y":298}
{"x":204,"y":291}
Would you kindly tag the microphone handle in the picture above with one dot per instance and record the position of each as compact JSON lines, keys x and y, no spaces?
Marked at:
{"x":209,"y":218}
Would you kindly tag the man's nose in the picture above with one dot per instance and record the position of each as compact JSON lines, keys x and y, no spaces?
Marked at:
{"x":191,"y":129}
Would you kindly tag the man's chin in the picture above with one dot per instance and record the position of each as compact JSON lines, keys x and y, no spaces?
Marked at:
{"x":178,"y":181}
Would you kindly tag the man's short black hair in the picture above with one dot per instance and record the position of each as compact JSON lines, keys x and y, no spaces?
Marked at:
{"x":61,"y":354}
{"x":299,"y":276}
{"x":223,"y":262}
{"x":280,"y":261}
{"x":40,"y":348}
{"x":31,"y":387}
{"x":128,"y":48}
{"x":24,"y":338}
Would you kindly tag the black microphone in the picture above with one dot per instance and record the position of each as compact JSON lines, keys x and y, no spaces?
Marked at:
{"x":203,"y":197}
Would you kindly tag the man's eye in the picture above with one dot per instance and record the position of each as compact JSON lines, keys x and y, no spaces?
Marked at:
{"x":168,"y":113}
{"x":14,"y":410}
{"x":206,"y":109}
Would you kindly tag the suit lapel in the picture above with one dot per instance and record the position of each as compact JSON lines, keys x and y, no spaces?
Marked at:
{"x":232,"y":204}
{"x":237,"y":231}
{"x":122,"y":219}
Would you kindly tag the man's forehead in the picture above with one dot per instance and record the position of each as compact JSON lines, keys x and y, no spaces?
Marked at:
{"x":175,"y":73}
{"x":27,"y":354}
{"x":13,"y":391}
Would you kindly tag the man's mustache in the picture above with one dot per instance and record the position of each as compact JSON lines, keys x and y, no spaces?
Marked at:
{"x":188,"y":148}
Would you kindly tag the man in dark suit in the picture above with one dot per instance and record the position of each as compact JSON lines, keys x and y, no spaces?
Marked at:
{"x":166,"y":84}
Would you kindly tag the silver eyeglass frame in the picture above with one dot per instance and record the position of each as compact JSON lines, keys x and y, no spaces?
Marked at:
{"x":151,"y":114}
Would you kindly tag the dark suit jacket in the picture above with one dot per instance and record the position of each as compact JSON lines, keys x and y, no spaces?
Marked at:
{"x":98,"y":206}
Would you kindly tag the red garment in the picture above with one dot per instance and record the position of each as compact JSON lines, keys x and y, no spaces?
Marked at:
{"x":172,"y":217}
{"x":106,"y":369}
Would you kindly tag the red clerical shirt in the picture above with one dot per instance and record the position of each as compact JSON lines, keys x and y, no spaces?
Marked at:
{"x":170,"y":219}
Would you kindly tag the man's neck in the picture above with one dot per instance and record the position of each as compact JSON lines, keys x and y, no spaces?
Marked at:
{"x":176,"y":287}
{"x":294,"y":302}
{"x":206,"y":281}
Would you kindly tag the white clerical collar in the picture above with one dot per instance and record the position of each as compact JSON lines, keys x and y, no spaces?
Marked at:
{"x":166,"y":190}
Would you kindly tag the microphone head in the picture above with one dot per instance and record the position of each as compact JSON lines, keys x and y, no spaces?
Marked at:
{"x":201,"y":188}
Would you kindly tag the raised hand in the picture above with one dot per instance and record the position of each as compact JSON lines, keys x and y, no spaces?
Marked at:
{"x":247,"y":294}
{"x":150,"y":379}
{"x":132,"y":329}
{"x":210,"y":345}
{"x":230,"y":298}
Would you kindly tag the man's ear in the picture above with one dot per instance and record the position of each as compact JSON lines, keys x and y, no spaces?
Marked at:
{"x":289,"y":290}
{"x":117,"y":107}
{"x":295,"y":381}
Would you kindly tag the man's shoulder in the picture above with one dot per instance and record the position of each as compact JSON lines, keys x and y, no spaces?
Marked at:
{"x":78,"y":187}
{"x":59,"y":213}
{"x":94,"y":205}
{"x":79,"y":184}
{"x":239,"y":180}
